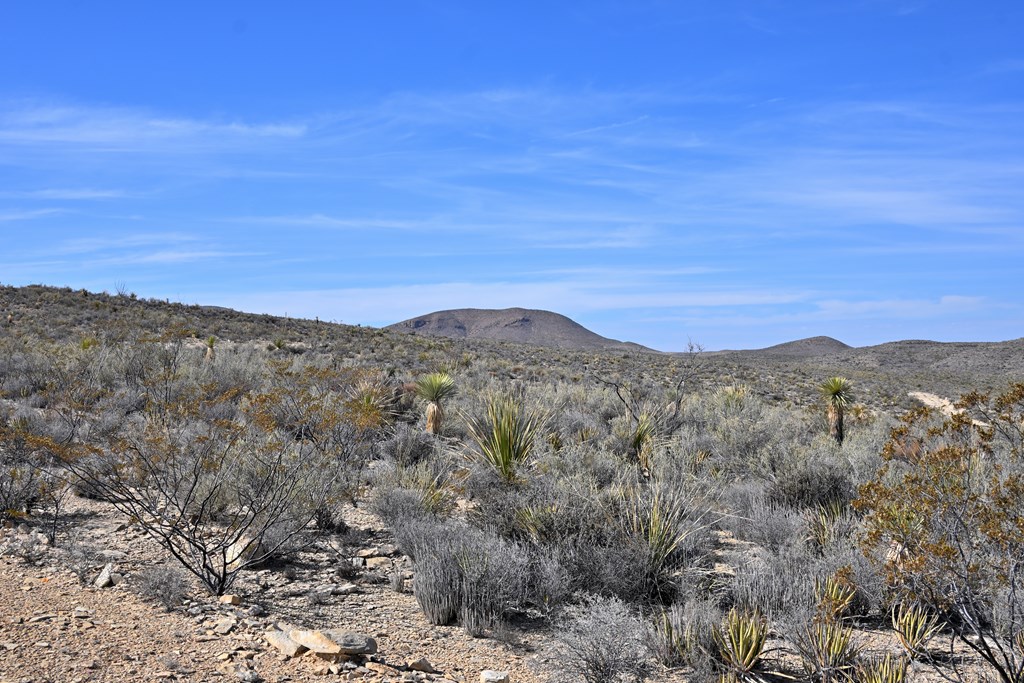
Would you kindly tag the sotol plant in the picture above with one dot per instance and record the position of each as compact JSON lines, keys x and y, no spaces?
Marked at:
{"x":505,"y":437}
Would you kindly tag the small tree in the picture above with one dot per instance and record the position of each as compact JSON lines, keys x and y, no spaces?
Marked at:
{"x":837,"y":394}
{"x":433,"y":389}
{"x":945,"y":519}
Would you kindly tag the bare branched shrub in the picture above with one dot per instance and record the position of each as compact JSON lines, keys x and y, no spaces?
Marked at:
{"x":495,"y":578}
{"x":220,"y":495}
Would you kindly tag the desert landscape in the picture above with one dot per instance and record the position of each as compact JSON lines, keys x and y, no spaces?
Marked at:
{"x":196,"y":493}
{"x":435,"y":341}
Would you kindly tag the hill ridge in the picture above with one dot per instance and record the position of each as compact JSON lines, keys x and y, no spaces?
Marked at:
{"x":516,"y":324}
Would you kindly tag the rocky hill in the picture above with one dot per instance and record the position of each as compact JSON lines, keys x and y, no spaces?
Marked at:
{"x":518,"y":325}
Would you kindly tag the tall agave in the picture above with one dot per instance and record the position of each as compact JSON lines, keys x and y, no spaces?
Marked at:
{"x":433,"y":389}
{"x":837,"y":394}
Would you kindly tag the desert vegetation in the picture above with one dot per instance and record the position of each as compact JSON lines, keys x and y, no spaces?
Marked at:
{"x":726,"y":526}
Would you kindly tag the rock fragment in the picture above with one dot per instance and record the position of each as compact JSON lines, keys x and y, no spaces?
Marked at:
{"x":494,"y":677}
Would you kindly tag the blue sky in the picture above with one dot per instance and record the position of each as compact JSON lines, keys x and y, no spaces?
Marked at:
{"x":740,"y":173}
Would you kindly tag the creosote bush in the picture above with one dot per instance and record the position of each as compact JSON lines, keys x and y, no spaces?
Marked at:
{"x":945,"y":521}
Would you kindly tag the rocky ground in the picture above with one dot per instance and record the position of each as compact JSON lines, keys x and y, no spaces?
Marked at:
{"x":55,"y":627}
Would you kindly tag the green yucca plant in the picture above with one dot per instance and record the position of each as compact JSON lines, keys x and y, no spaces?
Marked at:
{"x":914,"y":627}
{"x":505,"y":437}
{"x":837,"y":394}
{"x":887,"y":669}
{"x":433,"y":389}
{"x":835,"y":596}
{"x":827,"y":650}
{"x":641,"y":441}
{"x":657,"y":519}
{"x":741,"y":639}
{"x":537,"y":521}
{"x":371,"y":401}
{"x":733,"y":396}
{"x":825,"y":523}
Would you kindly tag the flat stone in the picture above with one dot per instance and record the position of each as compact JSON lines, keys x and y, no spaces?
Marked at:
{"x":335,"y":641}
{"x":224,"y":626}
{"x":345,"y":589}
{"x":105,"y":579}
{"x":230,"y":600}
{"x":314,"y":641}
{"x":422,"y":664}
{"x":368,"y":552}
{"x":283,"y":644}
{"x":494,"y":677}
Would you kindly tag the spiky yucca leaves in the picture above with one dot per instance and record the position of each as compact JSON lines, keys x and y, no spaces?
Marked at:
{"x":914,"y":627}
{"x":835,"y":596}
{"x":827,"y":524}
{"x":641,"y":441}
{"x":741,"y":639}
{"x":827,"y":650}
{"x":685,"y":635}
{"x":431,"y":487}
{"x":662,"y":519}
{"x":837,"y":394}
{"x":505,"y":437}
{"x":887,"y":669}
{"x":371,"y":401}
{"x":433,"y":389}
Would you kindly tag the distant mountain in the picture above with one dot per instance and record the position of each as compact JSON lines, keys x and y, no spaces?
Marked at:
{"x":519,"y":325}
{"x":802,"y":348}
{"x":952,"y":366}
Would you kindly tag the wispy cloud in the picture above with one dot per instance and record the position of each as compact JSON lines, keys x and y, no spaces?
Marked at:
{"x":11,"y":216}
{"x":127,"y":129}
{"x":120,"y":242}
{"x":71,"y":194}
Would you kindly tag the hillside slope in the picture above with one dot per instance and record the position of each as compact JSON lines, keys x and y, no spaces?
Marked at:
{"x":518,"y":325}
